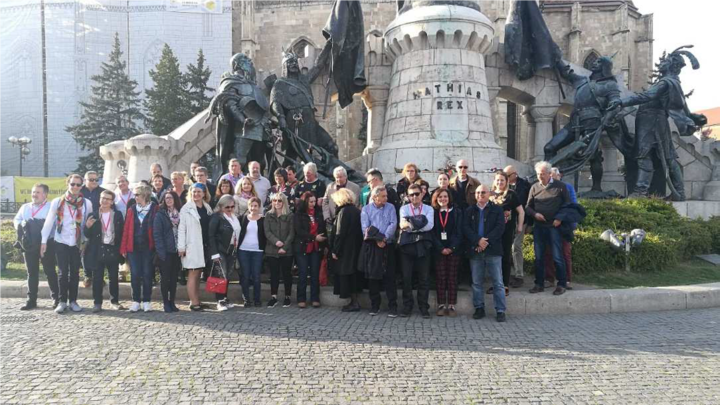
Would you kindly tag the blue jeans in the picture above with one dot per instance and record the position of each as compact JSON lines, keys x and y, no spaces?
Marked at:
{"x":142,"y":274}
{"x":308,"y":263}
{"x":493,"y":265}
{"x":544,"y":236}
{"x":251,"y":265}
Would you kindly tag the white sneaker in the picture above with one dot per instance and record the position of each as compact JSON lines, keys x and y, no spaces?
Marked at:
{"x":147,"y":307}
{"x":221,"y":307}
{"x":61,"y":308}
{"x":117,"y":307}
{"x":134,"y":307}
{"x":75,"y":307}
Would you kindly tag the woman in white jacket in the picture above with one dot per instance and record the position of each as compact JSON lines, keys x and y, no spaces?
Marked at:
{"x":194,"y":220}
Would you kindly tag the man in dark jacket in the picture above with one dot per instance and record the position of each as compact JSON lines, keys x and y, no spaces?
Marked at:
{"x":545,"y":199}
{"x":483,"y":226}
{"x":91,"y":190}
{"x":521,"y":187}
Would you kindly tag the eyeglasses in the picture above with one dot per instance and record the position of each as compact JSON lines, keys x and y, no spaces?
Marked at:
{"x":413,"y":194}
{"x":76,"y":184}
{"x":107,"y":199}
{"x":278,"y":201}
{"x":229,"y":207}
{"x":462,"y":167}
{"x":92,"y":180}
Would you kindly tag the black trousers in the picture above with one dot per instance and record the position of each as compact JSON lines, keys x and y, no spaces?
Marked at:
{"x":111,"y":264}
{"x":507,"y":258}
{"x":388,"y":284}
{"x":420,"y":266}
{"x":169,"y":269}
{"x":68,"y":262}
{"x":32,"y":263}
{"x":278,"y":265}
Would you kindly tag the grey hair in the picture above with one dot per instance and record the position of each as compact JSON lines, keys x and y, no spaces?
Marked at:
{"x":377,"y":190}
{"x":341,"y":170}
{"x":223,"y":202}
{"x":555,"y":170}
{"x":156,"y":164}
{"x":543,"y":166}
{"x":310,"y":167}
{"x":144,"y":191}
{"x":122,"y":176}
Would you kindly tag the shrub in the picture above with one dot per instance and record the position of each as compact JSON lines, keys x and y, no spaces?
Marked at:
{"x":670,"y":237}
{"x":7,"y":238}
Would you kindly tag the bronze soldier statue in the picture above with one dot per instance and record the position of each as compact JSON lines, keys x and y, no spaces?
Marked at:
{"x":578,"y":141}
{"x":292,"y":102}
{"x":243,"y":128}
{"x":652,"y":129}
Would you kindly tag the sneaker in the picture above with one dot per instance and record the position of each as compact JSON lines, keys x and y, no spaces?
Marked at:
{"x":87,"y":283}
{"x":135,"y":306}
{"x":97,"y":308}
{"x":147,"y":307}
{"x":28,"y":306}
{"x":568,"y":287}
{"x":451,"y":312}
{"x":536,"y":289}
{"x":479,"y":313}
{"x":440,"y":311}
{"x":75,"y":307}
{"x":273,"y":301}
{"x":61,"y":308}
{"x":500,"y":317}
{"x":316,"y":304}
{"x":425,"y":314}
{"x":374,"y":311}
{"x":392,"y":313}
{"x":405,"y":313}
{"x":196,"y":308}
{"x":286,"y":302}
{"x":258,"y":304}
{"x":221,"y":306}
{"x":55,"y":304}
{"x":117,"y":306}
{"x":559,"y":290}
{"x":302,"y":304}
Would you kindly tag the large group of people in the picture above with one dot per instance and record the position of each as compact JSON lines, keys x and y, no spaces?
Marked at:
{"x":375,"y":238}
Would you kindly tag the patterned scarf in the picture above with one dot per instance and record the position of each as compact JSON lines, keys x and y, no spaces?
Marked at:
{"x":75,"y":201}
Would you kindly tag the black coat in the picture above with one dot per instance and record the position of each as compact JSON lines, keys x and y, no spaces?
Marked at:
{"x":163,"y":235}
{"x":244,"y":221}
{"x":494,"y":227}
{"x":373,"y":260}
{"x":570,"y":214}
{"x":220,"y":235}
{"x":302,"y":229}
{"x":346,"y":239}
{"x":453,"y":229}
{"x":522,"y":189}
{"x":94,"y":237}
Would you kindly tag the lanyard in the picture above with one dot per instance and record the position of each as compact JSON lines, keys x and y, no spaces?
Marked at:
{"x":124,"y":200}
{"x":73,"y":214}
{"x":35,"y":212}
{"x":445,"y":221}
{"x":412,"y":209}
{"x":102,"y":220}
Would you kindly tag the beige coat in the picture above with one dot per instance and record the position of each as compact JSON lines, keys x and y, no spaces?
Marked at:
{"x":190,"y":239}
{"x":473,"y":183}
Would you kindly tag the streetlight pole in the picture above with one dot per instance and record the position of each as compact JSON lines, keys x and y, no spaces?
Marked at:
{"x":22,"y":144}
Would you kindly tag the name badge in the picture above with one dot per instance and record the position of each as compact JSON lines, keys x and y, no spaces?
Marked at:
{"x":443,"y":235}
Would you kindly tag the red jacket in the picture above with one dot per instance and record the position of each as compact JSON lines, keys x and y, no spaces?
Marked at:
{"x":129,"y":230}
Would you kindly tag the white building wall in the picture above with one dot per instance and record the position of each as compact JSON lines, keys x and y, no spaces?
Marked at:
{"x":79,"y":37}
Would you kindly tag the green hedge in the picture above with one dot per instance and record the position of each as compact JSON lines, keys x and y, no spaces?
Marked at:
{"x":7,"y":238}
{"x":670,"y":237}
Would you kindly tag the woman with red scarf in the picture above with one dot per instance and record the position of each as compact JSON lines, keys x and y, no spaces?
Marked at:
{"x":309,"y":235}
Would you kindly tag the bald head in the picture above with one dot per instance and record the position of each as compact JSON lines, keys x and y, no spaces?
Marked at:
{"x":511,"y":172}
{"x":462,"y":167}
{"x":482,"y":194}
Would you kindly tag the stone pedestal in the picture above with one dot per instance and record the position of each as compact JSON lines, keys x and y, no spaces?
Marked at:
{"x":438,"y":108}
{"x":144,"y":150}
{"x":116,"y":161}
{"x":543,"y":116}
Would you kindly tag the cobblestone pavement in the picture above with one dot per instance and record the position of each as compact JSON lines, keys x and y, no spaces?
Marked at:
{"x":324,"y":356}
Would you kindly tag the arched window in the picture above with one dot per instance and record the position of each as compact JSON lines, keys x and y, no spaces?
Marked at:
{"x":590,"y":59}
{"x":299,"y":46}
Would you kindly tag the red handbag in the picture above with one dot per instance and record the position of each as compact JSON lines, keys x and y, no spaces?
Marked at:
{"x":218,"y":285}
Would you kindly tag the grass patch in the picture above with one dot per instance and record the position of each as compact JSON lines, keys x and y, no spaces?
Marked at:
{"x":695,"y":271}
{"x":16,"y":271}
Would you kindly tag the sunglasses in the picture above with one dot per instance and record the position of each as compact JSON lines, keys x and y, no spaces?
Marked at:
{"x":76,"y":184}
{"x":413,"y":194}
{"x":462,"y":167}
{"x":92,"y":180}
{"x":229,"y":207}
{"x":277,"y":201}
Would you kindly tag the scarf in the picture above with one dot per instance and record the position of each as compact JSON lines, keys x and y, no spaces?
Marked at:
{"x":235,"y":223}
{"x":142,"y":211}
{"x":175,"y":220}
{"x":75,"y":201}
{"x":246,"y":196}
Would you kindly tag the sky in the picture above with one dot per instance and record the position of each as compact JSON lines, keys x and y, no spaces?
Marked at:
{"x":690,"y":22}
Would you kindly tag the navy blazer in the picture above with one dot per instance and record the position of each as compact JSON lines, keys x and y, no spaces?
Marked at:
{"x":163,"y":235}
{"x":494,"y":227}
